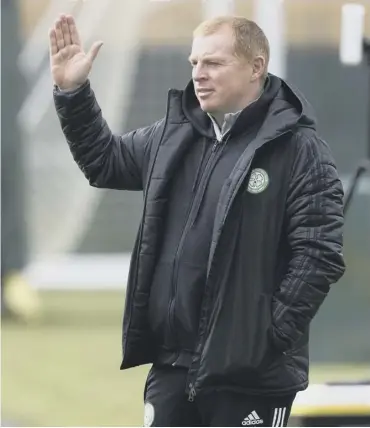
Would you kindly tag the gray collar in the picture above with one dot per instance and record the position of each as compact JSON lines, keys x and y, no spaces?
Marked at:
{"x":229,"y":120}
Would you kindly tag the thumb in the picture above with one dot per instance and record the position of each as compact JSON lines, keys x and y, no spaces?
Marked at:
{"x":94,"y":50}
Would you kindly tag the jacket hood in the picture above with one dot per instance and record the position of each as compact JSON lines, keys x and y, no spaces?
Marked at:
{"x":282,"y":106}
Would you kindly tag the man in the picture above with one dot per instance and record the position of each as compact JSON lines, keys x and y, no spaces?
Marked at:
{"x":241,"y":234}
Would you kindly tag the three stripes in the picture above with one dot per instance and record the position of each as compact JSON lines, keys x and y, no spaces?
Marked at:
{"x":279,"y":416}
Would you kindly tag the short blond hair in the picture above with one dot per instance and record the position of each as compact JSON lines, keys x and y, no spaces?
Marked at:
{"x":250,"y":40}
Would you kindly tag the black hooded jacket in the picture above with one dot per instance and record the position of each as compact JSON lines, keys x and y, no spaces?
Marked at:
{"x":239,"y":241}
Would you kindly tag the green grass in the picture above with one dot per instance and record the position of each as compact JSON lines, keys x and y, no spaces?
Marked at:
{"x":63,"y":370}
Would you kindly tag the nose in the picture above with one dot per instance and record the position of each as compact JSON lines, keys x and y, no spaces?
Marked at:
{"x":198,"y":73}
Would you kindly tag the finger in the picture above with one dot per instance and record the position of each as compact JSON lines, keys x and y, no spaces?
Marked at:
{"x":93,"y":52}
{"x":59,"y":34}
{"x":53,"y":42}
{"x":65,"y":31}
{"x":75,"y":38}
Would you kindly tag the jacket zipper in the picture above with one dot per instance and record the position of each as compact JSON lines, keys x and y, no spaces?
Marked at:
{"x":192,"y":393}
{"x":171,"y":311}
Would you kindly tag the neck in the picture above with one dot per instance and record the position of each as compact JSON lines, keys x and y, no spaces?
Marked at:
{"x":251,"y":97}
{"x":248,"y":99}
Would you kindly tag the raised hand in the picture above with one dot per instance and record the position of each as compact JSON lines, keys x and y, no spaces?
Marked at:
{"x":69,"y":64}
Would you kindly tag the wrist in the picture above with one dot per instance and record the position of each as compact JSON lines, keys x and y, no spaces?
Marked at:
{"x":70,"y":88}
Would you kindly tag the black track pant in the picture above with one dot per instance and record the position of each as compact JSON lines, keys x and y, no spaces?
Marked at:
{"x":166,"y":404}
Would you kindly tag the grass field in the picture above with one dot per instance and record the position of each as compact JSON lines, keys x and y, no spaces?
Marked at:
{"x":63,"y":370}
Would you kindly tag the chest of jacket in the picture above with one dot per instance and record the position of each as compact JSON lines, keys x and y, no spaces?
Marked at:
{"x":254,"y":233}
{"x":260,"y":178}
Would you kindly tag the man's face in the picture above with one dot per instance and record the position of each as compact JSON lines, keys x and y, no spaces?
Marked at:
{"x":221,"y":80}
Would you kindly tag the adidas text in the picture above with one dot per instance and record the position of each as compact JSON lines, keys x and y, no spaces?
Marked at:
{"x":246,"y":423}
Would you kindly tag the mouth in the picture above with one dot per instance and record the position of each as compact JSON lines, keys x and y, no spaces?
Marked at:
{"x":202,"y":93}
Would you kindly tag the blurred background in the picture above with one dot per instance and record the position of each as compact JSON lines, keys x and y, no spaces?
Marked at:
{"x":66,"y":246}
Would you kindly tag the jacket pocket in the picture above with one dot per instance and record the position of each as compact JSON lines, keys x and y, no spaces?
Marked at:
{"x":239,"y":351}
{"x":260,"y":345}
{"x":238,"y":345}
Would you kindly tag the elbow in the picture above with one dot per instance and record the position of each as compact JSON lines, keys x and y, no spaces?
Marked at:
{"x":332,"y":267}
{"x":339,"y":269}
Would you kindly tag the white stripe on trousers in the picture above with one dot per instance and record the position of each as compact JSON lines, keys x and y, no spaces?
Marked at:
{"x":279,"y":416}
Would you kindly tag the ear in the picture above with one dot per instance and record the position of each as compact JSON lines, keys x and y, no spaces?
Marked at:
{"x":258,"y":68}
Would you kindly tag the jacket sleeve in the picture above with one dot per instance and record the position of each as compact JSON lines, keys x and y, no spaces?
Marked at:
{"x":314,"y":218}
{"x":107,"y":160}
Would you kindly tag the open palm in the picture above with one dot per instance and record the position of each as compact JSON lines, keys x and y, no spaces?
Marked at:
{"x":69,"y":64}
